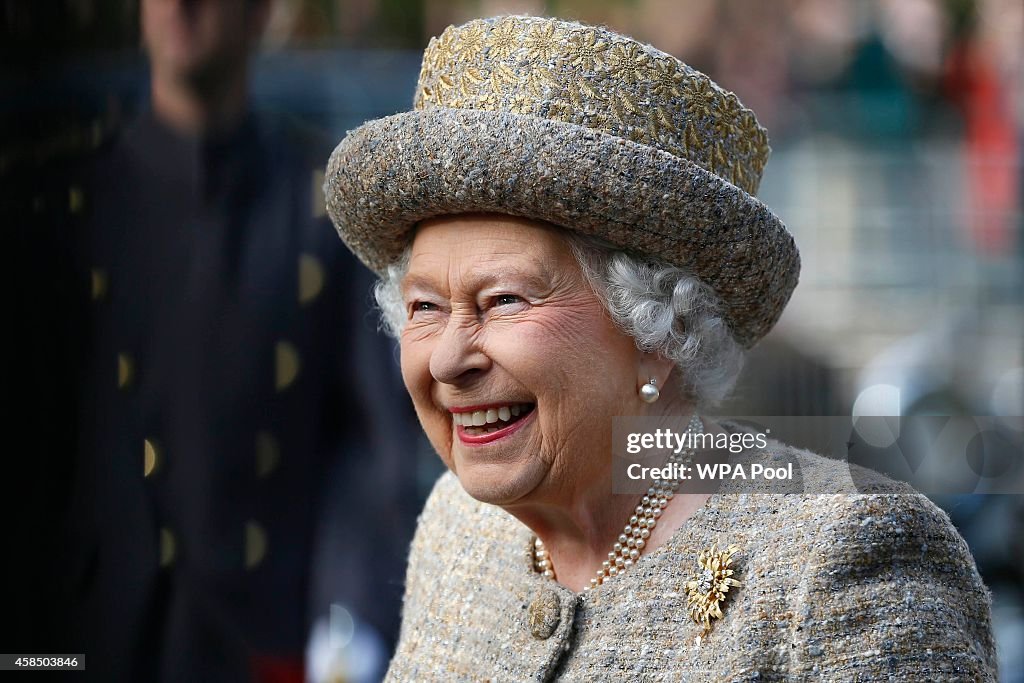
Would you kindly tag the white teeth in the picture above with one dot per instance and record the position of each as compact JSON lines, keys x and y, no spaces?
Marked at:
{"x":491,"y":416}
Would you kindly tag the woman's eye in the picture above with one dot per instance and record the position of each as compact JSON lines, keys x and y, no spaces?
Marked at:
{"x":423,"y":306}
{"x":506,"y":299}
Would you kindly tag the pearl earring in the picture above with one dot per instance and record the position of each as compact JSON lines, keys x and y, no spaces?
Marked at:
{"x":649,"y":392}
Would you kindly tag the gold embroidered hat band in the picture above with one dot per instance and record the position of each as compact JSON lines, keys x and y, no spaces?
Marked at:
{"x":584,"y":128}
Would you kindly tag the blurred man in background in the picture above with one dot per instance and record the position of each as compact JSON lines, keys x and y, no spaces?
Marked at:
{"x":230,"y":371}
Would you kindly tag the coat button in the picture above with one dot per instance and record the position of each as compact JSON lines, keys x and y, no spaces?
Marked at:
{"x":255,"y":544}
{"x":287,"y":365}
{"x":99,"y":283}
{"x":311,"y":278}
{"x":125,"y":371}
{"x":319,"y":199}
{"x":168,"y":548}
{"x":268,"y":453}
{"x":76,"y":199}
{"x":151,"y":457}
{"x":544,"y":614}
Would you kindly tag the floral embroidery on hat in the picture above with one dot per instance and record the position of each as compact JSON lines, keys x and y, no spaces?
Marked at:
{"x":588,"y":51}
{"x":544,"y":42}
{"x":503,"y":40}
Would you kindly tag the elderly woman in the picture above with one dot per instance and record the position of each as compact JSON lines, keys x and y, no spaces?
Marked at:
{"x":566,"y":232}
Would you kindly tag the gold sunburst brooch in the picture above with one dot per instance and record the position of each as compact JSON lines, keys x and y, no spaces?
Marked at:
{"x":707,"y":591}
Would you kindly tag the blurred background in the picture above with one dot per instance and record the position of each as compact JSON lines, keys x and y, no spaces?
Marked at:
{"x":897,"y":164}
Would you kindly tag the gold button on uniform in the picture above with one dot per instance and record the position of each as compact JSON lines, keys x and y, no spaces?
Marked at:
{"x":267,"y":454}
{"x":286,"y":365}
{"x":319,"y":200}
{"x":168,"y":547}
{"x":76,"y":199}
{"x":255,"y":544}
{"x":99,"y":283}
{"x":544,"y":614}
{"x":151,"y":457}
{"x":311,"y":278}
{"x":125,"y":371}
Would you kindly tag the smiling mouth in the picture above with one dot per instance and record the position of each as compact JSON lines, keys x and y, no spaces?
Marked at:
{"x":491,"y":423}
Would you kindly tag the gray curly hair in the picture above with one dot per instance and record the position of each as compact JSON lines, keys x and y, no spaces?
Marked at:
{"x":664,"y":308}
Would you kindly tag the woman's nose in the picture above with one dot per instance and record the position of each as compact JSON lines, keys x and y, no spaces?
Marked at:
{"x":458,"y":357}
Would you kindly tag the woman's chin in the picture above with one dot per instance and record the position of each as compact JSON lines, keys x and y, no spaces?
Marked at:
{"x":498,"y":483}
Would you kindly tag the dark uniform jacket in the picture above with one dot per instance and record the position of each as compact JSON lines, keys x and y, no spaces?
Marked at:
{"x":230,"y":368}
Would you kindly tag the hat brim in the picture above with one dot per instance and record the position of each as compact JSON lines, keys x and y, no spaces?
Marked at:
{"x":391,"y":173}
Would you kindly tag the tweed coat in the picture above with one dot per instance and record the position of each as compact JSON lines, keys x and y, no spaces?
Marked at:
{"x":859,"y":586}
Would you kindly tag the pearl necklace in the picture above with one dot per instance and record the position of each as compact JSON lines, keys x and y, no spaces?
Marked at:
{"x":633,"y":539}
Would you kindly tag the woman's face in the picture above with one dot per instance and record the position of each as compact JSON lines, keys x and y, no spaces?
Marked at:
{"x":503,"y":330}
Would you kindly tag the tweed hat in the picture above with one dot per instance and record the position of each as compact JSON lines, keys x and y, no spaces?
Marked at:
{"x":584,"y":128}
